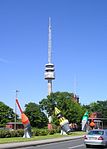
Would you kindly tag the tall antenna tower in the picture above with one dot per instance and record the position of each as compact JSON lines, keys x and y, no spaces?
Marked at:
{"x":49,"y":68}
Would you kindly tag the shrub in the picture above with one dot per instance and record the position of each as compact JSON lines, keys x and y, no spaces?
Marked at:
{"x":35,"y":132}
{"x":43,"y":132}
{"x":39,"y":132}
{"x":7,"y":134}
{"x":51,"y":132}
{"x":20,"y":132}
{"x":2,"y":133}
{"x":11,"y":133}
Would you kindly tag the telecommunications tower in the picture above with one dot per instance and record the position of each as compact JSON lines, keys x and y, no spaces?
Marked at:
{"x":49,"y":68}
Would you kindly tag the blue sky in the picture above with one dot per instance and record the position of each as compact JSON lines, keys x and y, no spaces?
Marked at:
{"x":79,"y":48}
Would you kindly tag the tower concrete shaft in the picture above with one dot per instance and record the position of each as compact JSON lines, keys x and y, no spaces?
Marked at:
{"x":49,"y":87}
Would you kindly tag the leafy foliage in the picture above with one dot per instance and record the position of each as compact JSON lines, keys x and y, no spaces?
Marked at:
{"x":36,"y":116}
{"x":66,"y":103}
{"x":99,"y":106}
{"x":6,"y":114}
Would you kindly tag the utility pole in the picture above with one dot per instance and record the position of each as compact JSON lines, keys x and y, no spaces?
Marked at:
{"x":16,"y":110}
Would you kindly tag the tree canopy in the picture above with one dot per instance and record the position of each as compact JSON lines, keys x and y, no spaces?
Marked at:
{"x":65,"y":102}
{"x":6,"y":114}
{"x":99,"y":106}
{"x":36,"y":116}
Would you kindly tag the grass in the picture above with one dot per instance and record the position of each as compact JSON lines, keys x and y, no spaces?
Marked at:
{"x":34,"y":138}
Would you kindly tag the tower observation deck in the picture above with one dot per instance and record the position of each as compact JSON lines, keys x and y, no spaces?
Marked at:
{"x":49,"y":68}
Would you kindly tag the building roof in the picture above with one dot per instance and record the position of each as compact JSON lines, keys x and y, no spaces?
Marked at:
{"x":10,"y":123}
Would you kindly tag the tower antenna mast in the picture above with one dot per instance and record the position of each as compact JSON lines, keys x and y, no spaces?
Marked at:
{"x":49,"y":42}
{"x":49,"y":68}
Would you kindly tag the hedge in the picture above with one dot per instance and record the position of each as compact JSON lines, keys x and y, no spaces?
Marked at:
{"x":20,"y":132}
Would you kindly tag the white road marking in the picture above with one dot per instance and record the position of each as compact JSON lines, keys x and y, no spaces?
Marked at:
{"x":76,"y":146}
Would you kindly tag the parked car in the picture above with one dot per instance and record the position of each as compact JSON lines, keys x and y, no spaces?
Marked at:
{"x":96,"y":137}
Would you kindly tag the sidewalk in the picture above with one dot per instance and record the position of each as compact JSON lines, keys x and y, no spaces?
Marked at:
{"x":38,"y":142}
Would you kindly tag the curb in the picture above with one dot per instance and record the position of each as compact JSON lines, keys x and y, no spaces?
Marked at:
{"x":34,"y":143}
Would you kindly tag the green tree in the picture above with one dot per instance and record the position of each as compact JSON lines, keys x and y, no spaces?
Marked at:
{"x":37,"y":118}
{"x":99,"y":106}
{"x":6,"y":114}
{"x":66,"y":103}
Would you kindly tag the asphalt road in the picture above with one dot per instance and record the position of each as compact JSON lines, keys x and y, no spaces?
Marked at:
{"x":72,"y":144}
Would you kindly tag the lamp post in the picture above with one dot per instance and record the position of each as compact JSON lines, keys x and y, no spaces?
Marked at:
{"x":16,"y":109}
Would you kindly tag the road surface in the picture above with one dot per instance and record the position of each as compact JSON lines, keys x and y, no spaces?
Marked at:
{"x":72,"y":144}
